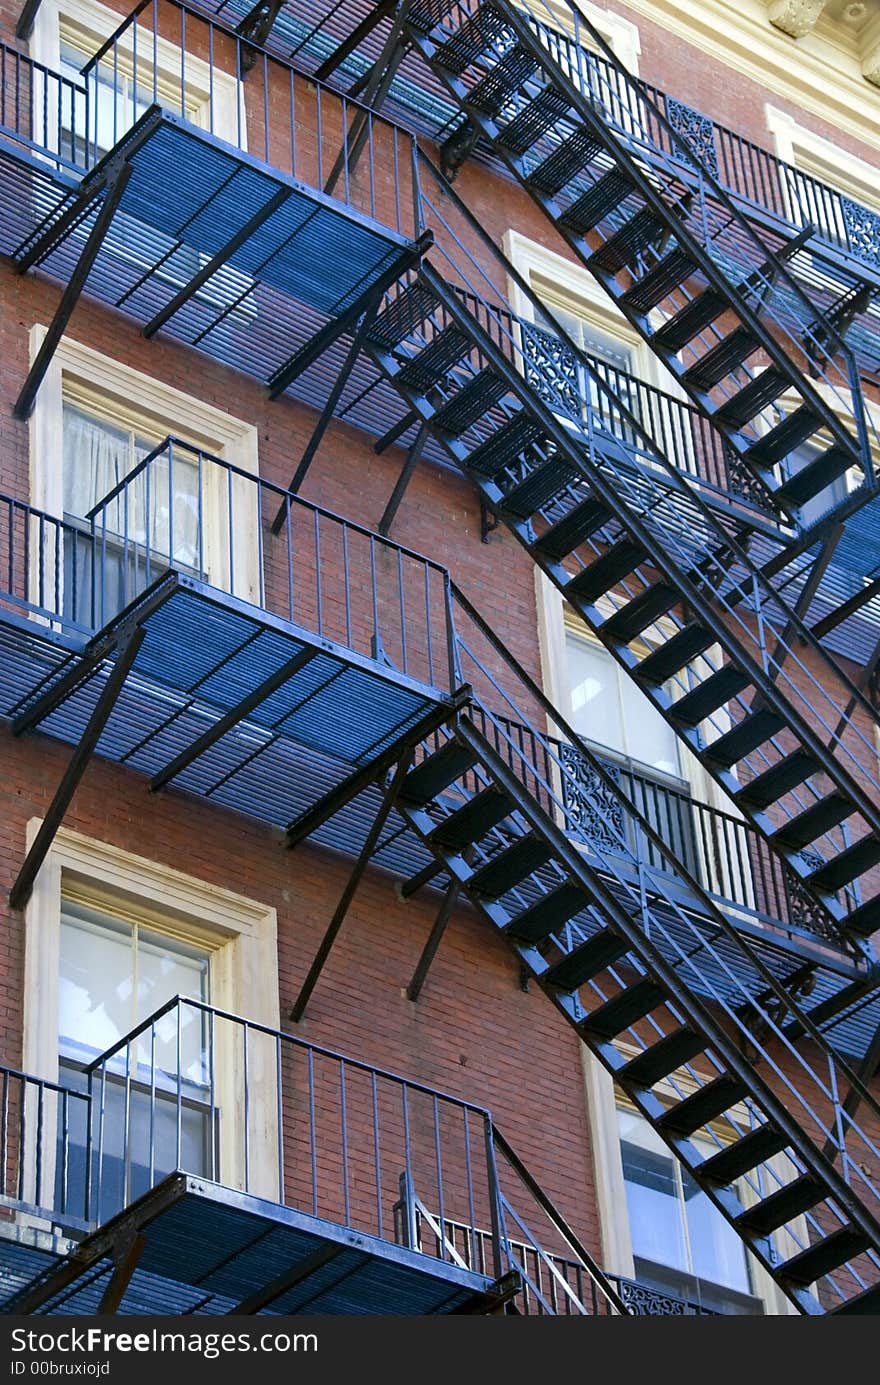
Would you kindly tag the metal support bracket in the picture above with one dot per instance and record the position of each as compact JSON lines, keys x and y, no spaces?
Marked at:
{"x":360,"y":865}
{"x":255,"y":29}
{"x":21,"y":890}
{"x":403,"y":480}
{"x":25,"y":403}
{"x":126,"y":1257}
{"x":444,"y":914}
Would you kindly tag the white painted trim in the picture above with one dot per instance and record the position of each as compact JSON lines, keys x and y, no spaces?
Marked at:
{"x":814,"y":73}
{"x":823,"y":159}
{"x":241,"y":935}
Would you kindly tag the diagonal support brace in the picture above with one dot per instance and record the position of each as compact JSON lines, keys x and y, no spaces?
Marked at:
{"x":360,"y":865}
{"x":126,"y":1259}
{"x":429,"y":951}
{"x":25,"y":403}
{"x":21,"y":890}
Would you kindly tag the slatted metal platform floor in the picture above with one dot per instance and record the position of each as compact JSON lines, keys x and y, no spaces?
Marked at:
{"x":203,"y":654}
{"x":212,"y":1250}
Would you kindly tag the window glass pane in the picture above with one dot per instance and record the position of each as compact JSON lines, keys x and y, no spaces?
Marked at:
{"x":647,"y":737}
{"x":717,"y":1252}
{"x":595,"y":704}
{"x":166,"y":970}
{"x":655,"y":1213}
{"x":95,"y":984}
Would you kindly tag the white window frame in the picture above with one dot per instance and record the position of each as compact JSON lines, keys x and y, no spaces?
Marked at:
{"x":620,"y":33}
{"x":164,"y":410}
{"x":239,"y":933}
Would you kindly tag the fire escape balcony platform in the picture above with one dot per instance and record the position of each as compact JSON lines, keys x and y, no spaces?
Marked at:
{"x":218,"y":249}
{"x":315,"y":709}
{"x":212,"y":1250}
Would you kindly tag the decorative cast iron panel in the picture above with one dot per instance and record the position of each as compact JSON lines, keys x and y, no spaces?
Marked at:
{"x":697,"y":130}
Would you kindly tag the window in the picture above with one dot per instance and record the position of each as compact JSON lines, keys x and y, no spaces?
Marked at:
{"x":681,"y":1244}
{"x":102,"y":418}
{"x":152,"y":523}
{"x":109,"y":937}
{"x":613,"y":362}
{"x":611,"y":712}
{"x":113,"y":973}
{"x":850,"y":212}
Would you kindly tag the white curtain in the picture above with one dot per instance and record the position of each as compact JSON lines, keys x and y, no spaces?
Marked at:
{"x":153,"y":522}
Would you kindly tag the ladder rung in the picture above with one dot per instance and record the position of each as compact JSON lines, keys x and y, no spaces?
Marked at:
{"x":826,"y":1255}
{"x":745,"y":736}
{"x":473,"y":820}
{"x":571,"y":157}
{"x":774,"y":783}
{"x":847,"y":865}
{"x":744,"y":1154}
{"x":663,"y":1058}
{"x":782,"y":1206}
{"x":705,"y":1105}
{"x":606,"y":571}
{"x":709,"y":695}
{"x":573,"y":529}
{"x":437,"y":772}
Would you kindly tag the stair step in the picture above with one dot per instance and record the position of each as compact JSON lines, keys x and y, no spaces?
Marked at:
{"x":762,"y":390}
{"x":704,"y":1106}
{"x":436,"y":360}
{"x":689,"y":321}
{"x":403,"y":315}
{"x":508,"y":74}
{"x":814,"y":478}
{"x":470,"y":403}
{"x":437,"y":772}
{"x":568,"y":160}
{"x":774,"y":783}
{"x":594,"y":205}
{"x":665,"y":276}
{"x":641,"y":612}
{"x":745,"y":737}
{"x":663,"y":1058}
{"x":550,"y":913}
{"x":606,"y":571}
{"x":510,"y":867}
{"x":678,"y":651}
{"x":783,"y":438}
{"x":473,"y":38}
{"x":744,"y":1154}
{"x":624,"y":1010}
{"x":637,"y":234}
{"x":847,"y":865}
{"x":711,"y":694}
{"x":602,"y":950}
{"x":541,"y":485}
{"x":473,"y":820}
{"x":529,"y":124}
{"x":573,"y":529}
{"x":820,"y":817}
{"x":864,"y":920}
{"x":506,"y":445}
{"x":826,"y":1255}
{"x":865,"y":1304}
{"x":722,"y":359}
{"x":782,"y":1206}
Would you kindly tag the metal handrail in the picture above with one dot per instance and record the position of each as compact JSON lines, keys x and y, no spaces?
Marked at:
{"x":394,"y":600}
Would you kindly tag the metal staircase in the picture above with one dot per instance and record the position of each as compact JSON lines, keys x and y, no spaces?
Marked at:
{"x":710,"y":293}
{"x":659,"y":579}
{"x":679,"y":1010}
